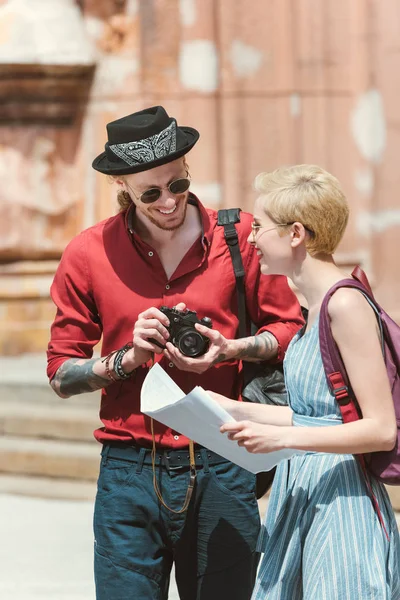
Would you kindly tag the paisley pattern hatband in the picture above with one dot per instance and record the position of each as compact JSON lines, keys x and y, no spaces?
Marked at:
{"x":147,"y":150}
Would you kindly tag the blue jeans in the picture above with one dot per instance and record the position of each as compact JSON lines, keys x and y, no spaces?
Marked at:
{"x":136,"y":539}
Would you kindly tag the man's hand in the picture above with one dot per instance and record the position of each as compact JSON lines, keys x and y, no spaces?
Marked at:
{"x":218,"y":351}
{"x":255,"y":437}
{"x":151,"y":325}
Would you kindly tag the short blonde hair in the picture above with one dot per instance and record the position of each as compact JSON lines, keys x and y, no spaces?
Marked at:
{"x":310,"y":195}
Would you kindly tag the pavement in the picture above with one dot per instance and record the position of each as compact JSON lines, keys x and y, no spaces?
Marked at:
{"x":46,"y":550}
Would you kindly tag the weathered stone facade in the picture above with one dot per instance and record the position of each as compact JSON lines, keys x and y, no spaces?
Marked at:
{"x":266,"y":83}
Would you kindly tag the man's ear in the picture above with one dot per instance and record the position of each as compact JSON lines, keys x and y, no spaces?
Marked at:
{"x":119,"y":181}
{"x":297,"y":234}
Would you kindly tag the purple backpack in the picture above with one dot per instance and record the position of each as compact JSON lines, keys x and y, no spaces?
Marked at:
{"x":384,"y":466}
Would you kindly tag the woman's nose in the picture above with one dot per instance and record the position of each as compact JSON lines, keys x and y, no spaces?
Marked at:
{"x":250,"y":239}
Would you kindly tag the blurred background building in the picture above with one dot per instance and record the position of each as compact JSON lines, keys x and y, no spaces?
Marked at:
{"x":266,"y":82}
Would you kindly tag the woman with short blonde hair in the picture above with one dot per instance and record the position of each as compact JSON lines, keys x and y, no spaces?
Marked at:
{"x":310,"y":195}
{"x":322,"y":539}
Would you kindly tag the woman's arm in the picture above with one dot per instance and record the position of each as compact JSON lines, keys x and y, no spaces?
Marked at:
{"x":354,"y":328}
{"x":258,"y":413}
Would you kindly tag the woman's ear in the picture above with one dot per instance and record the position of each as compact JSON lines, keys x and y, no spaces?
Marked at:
{"x":297,"y":234}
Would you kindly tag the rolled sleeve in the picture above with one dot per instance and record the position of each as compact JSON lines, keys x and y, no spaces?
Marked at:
{"x":274,"y":308}
{"x":76,"y":328}
{"x":283,"y":332}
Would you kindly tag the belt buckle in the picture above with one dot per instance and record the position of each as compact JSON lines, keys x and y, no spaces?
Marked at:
{"x":167,"y":464}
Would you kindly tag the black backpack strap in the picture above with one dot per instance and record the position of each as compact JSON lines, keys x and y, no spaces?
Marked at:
{"x":227,"y":217}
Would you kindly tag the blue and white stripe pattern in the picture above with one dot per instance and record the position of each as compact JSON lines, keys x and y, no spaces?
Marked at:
{"x":321,"y":538}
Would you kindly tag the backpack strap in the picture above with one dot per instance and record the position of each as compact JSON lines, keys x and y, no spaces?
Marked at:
{"x":335,"y":370}
{"x":227,"y":218}
{"x":360,"y":276}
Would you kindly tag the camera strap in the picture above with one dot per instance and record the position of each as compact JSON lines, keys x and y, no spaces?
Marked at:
{"x":227,"y":218}
{"x":192,"y":478}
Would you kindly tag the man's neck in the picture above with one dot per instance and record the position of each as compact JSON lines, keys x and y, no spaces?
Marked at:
{"x":160,"y":238}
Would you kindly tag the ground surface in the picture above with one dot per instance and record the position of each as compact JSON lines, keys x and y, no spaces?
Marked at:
{"x":46,"y":550}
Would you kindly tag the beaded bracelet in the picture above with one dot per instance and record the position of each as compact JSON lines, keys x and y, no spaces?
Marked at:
{"x":107,"y":366}
{"x":117,"y":367}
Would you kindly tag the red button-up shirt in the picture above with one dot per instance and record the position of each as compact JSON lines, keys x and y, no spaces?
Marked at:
{"x":108,"y":275}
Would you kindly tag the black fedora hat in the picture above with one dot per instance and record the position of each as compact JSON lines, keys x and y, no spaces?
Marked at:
{"x":144,"y":140}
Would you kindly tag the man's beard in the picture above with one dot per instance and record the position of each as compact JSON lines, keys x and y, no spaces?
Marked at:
{"x":169,"y":227}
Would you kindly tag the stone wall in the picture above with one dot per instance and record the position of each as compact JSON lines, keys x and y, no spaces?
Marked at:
{"x":267,"y":83}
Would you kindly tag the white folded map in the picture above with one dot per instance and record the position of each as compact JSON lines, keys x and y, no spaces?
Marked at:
{"x":199,"y":417}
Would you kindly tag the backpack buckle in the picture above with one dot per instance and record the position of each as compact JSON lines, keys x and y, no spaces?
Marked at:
{"x":342,"y":395}
{"x":231,"y":236}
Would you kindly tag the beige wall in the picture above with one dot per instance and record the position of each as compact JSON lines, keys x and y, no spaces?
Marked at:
{"x":266,"y":82}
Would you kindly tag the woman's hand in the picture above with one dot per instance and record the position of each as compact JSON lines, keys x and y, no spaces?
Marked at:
{"x":222,"y":400}
{"x":255,"y":437}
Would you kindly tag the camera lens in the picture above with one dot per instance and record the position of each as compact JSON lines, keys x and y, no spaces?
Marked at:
{"x":191,"y":343}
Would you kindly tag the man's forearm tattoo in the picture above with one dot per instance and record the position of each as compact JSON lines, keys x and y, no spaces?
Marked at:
{"x":76,"y":376}
{"x":220,"y":358}
{"x":261,"y":347}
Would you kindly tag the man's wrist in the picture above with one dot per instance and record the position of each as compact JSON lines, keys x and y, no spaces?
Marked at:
{"x":119,"y":371}
{"x":232,"y":349}
{"x":119,"y":364}
{"x":129,"y":362}
{"x":133,"y":359}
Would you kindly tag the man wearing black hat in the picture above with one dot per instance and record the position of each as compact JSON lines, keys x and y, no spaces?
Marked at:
{"x":161,"y":498}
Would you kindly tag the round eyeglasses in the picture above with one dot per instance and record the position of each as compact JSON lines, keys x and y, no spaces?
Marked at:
{"x":255,"y":228}
{"x":176,"y":187}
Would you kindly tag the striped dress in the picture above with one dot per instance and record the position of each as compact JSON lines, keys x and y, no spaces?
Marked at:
{"x":321,"y":538}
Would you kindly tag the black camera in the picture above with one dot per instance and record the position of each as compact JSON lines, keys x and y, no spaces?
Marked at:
{"x":182,"y":331}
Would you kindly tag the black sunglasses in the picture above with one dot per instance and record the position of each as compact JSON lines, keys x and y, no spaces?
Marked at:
{"x":179,"y":186}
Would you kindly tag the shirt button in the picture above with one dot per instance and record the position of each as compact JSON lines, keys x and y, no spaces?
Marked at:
{"x":176,"y":437}
{"x":171,"y":364}
{"x":151,"y":253}
{"x":167,"y":287}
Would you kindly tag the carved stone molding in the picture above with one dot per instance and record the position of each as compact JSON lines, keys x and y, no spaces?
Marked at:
{"x":46,"y":62}
{"x":43,"y":94}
